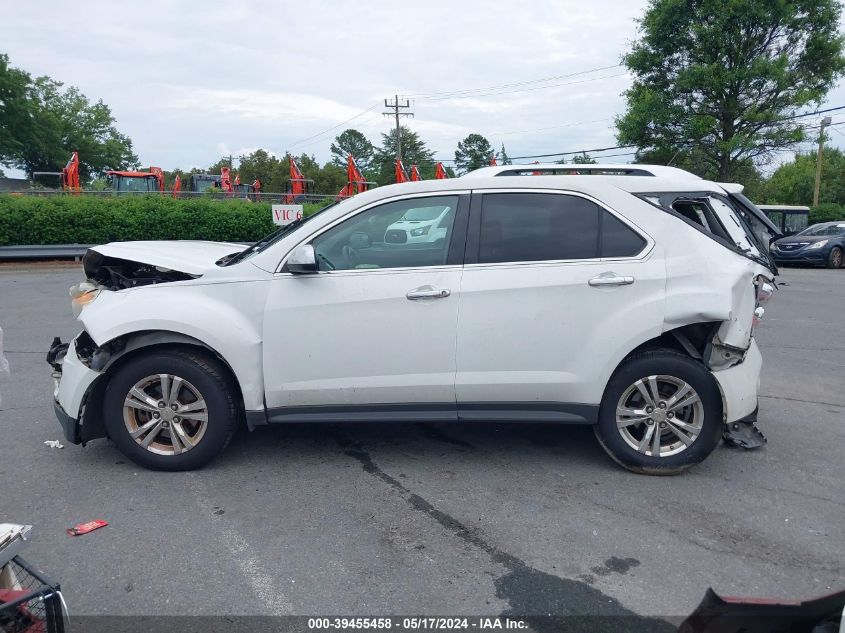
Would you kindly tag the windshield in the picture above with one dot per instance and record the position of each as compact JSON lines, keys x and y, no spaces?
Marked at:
{"x":203,"y":184}
{"x":422,"y":214}
{"x":127,"y":183}
{"x":825,"y":229}
{"x":272,"y":238}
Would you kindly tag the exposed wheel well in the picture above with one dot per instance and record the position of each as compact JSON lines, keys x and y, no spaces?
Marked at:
{"x":691,"y":339}
{"x":123,"y":349}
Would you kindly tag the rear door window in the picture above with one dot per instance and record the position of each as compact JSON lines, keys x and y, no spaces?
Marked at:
{"x":526,"y":227}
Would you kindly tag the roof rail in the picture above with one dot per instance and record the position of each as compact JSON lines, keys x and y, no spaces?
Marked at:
{"x":571,"y":169}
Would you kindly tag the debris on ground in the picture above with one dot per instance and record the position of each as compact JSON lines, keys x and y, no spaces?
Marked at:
{"x":84,"y":528}
{"x":54,"y":444}
{"x":743,"y":434}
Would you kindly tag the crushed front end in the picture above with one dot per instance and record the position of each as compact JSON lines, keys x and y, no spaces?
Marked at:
{"x":74,"y":382}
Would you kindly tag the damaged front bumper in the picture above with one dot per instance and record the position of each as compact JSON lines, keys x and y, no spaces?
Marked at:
{"x":73,"y":383}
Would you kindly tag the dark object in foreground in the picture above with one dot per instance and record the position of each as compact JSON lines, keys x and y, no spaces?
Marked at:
{"x":29,"y":602}
{"x":717,"y":614}
{"x":744,"y":434}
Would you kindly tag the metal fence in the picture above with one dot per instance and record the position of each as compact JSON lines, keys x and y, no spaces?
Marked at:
{"x":270,"y":197}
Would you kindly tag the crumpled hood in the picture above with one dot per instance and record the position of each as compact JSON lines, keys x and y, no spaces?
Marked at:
{"x":188,"y":256}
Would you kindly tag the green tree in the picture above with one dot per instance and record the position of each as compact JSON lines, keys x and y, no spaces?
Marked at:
{"x":793,"y":182}
{"x":473,"y":152}
{"x":583,"y":159}
{"x":355,"y":143}
{"x":42,"y":123}
{"x":260,"y":165}
{"x":414,"y":150}
{"x":723,"y":78}
{"x":17,"y":110}
{"x":504,"y":159}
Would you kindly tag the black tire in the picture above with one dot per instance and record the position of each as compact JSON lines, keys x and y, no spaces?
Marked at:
{"x":206,"y":375}
{"x":834,"y":258}
{"x":677,"y":365}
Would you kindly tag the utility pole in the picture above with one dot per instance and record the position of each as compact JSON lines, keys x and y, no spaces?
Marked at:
{"x":825,"y":123}
{"x":396,"y":106}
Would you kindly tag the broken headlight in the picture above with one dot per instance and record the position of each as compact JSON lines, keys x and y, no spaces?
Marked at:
{"x":82,"y":294}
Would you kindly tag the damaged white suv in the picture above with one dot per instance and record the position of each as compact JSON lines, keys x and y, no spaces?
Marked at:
{"x":622,"y":297}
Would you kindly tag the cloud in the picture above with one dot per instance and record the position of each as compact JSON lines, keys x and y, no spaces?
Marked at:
{"x":188,"y":84}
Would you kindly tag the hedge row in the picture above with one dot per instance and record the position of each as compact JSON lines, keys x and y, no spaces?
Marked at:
{"x":827,"y":212}
{"x":88,"y":220}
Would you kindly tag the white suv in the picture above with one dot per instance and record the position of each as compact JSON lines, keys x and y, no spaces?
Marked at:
{"x":623,"y":297}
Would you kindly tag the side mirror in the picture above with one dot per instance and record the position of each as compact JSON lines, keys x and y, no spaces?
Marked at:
{"x":302,"y":260}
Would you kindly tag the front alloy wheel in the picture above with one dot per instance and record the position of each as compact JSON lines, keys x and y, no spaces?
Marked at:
{"x":165,"y":414}
{"x":171,"y":409}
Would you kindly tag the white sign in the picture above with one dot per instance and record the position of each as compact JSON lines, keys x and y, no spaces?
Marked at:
{"x":284,"y":214}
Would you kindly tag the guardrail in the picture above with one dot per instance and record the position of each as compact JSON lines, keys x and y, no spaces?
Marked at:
{"x":44,"y":251}
{"x":51,"y":251}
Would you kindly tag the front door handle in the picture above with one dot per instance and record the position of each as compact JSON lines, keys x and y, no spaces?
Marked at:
{"x":611,"y":279}
{"x":428,"y":292}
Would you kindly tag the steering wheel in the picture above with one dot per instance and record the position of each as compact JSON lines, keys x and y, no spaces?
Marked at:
{"x":351,"y":256}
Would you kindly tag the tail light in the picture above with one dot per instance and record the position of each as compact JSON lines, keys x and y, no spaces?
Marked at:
{"x":765,"y":290}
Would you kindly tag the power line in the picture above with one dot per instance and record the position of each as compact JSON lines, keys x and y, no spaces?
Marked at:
{"x":580,"y":151}
{"x":504,"y":92}
{"x":551,"y":127}
{"x":363,"y":123}
{"x":512,"y":85}
{"x":334,"y":127}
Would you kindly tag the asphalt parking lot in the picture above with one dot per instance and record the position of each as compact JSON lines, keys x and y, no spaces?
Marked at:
{"x":433,"y":519}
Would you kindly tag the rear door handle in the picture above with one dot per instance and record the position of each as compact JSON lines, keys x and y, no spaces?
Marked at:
{"x":611,"y":279}
{"x":428,"y":292}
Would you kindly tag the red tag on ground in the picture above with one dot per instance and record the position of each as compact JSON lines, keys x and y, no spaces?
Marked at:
{"x":84,"y":528}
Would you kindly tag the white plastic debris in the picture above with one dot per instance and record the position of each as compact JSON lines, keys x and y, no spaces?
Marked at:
{"x":54,"y":444}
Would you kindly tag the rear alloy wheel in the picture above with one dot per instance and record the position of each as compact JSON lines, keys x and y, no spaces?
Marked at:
{"x":661,"y":413}
{"x":170,"y":410}
{"x":659,"y":416}
{"x":834,"y":259}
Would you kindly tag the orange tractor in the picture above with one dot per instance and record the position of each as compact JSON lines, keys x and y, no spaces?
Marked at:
{"x":149,"y":181}
{"x":70,"y":174}
{"x":298,"y":186}
{"x":355,"y":180}
{"x":250,"y":192}
{"x":200,"y":183}
{"x":401,"y":174}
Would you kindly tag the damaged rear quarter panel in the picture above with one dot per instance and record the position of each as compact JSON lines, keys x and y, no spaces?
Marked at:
{"x":707,"y":282}
{"x":225,"y":316}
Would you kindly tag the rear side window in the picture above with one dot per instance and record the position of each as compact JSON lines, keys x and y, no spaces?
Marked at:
{"x":617,"y":238}
{"x":526,"y":227}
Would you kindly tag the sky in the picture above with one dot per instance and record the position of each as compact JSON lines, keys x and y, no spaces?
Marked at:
{"x":191,"y":82}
